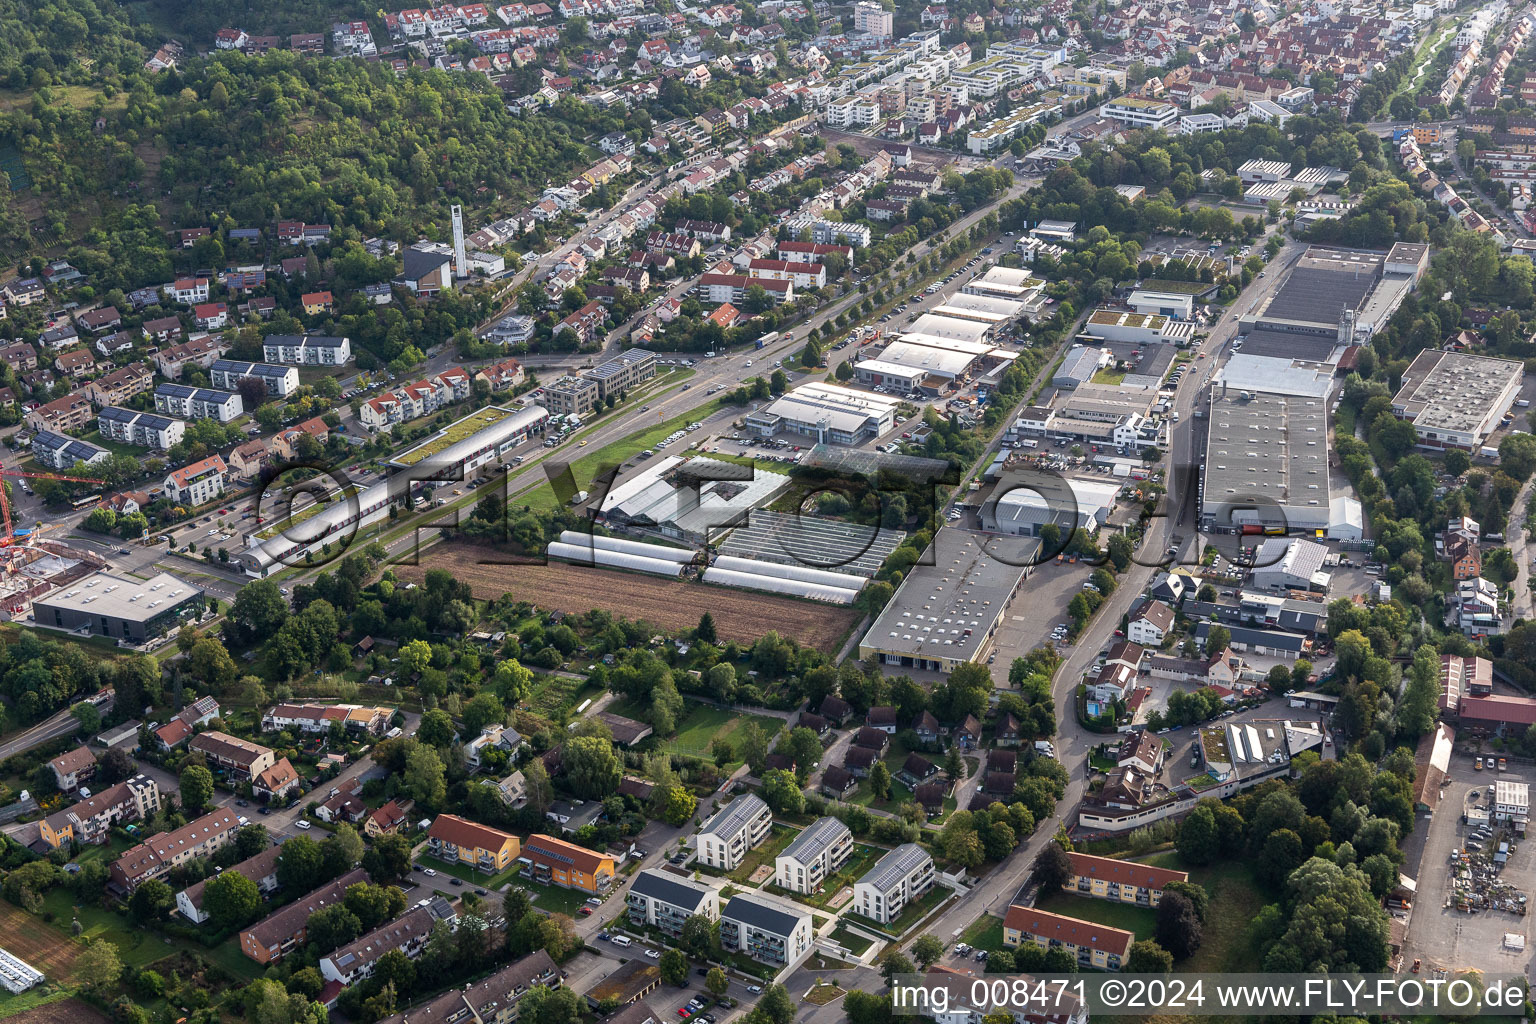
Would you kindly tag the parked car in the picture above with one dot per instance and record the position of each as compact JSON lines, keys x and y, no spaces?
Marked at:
{"x":303,"y":825}
{"x":652,"y":954}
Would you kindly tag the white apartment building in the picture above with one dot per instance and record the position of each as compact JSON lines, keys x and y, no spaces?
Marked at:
{"x":897,"y":879}
{"x":772,"y":932}
{"x":732,"y":831}
{"x":667,"y":901}
{"x":1140,"y":113}
{"x":307,"y":349}
{"x":144,"y":429}
{"x":815,"y":854}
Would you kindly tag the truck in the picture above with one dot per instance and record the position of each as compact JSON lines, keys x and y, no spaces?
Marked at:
{"x":768,"y":339}
{"x":1488,"y":453}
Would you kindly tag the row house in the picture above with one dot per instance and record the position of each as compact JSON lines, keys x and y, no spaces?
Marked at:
{"x":495,"y":1000}
{"x":90,"y":822}
{"x":586,"y":323}
{"x":165,"y":851}
{"x":242,"y":759}
{"x":407,"y":933}
{"x":280,"y":933}
{"x":296,"y":232}
{"x":260,"y":869}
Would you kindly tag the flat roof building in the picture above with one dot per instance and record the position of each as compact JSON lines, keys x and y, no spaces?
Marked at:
{"x":948,"y":607}
{"x":690,"y":499}
{"x":828,"y":413}
{"x":120,"y":607}
{"x":61,"y":452}
{"x":1266,"y":462}
{"x":1147,"y":300}
{"x":1456,"y":399}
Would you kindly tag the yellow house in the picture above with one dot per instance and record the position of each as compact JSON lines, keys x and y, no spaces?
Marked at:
{"x":1123,"y":881}
{"x":459,"y":840}
{"x":316,"y":303}
{"x":1091,"y":945}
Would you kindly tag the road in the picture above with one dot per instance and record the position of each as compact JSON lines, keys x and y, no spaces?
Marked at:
{"x":61,"y":723}
{"x":1001,"y":886}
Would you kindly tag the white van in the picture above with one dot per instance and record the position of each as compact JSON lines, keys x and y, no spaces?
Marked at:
{"x":622,"y":940}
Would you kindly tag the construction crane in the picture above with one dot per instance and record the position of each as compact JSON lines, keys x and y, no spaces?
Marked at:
{"x":10,"y":537}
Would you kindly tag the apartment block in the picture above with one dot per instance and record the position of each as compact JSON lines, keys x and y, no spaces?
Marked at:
{"x":158,"y":854}
{"x":733,"y":830}
{"x":897,"y":879}
{"x":554,"y":861}
{"x":280,"y":933}
{"x":145,"y":429}
{"x":261,"y":869}
{"x":667,"y":901}
{"x":240,"y":758}
{"x":777,"y":934}
{"x":90,"y":822}
{"x":306,"y":349}
{"x":458,"y":840}
{"x":1122,"y":881}
{"x":819,"y":851}
{"x":1092,"y":945}
{"x":407,"y":933}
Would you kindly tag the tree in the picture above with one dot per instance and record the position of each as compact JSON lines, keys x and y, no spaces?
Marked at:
{"x":151,"y":901}
{"x":1147,"y":957}
{"x":251,"y":840}
{"x":258,"y":610}
{"x":706,"y":632}
{"x":678,"y":804}
{"x":927,"y":949}
{"x":1280,"y":855}
{"x":436,"y":728}
{"x":231,"y":900}
{"x":777,"y":1005}
{"x":98,"y":966}
{"x":536,"y":781}
{"x":211,"y":663}
{"x":717,"y":983}
{"x":1217,"y":640}
{"x":893,"y":963}
{"x":416,"y":656}
{"x":752,"y":745}
{"x":116,"y":765}
{"x":1421,"y":694}
{"x":332,"y":926}
{"x":804,"y":748}
{"x":87,"y":715}
{"x":697,"y":936}
{"x":782,"y":792}
{"x":298,"y":865}
{"x":592,"y":769}
{"x":1178,"y":925}
{"x":1052,"y":867}
{"x":389,"y":859}
{"x":880,"y":780}
{"x":349,"y":843}
{"x":484,"y":709}
{"x":1197,"y":841}
{"x":424,"y":775}
{"x":196,"y":788}
{"x":674,"y":967}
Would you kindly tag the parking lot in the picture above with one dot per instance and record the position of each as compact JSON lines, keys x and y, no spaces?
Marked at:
{"x":1439,"y":934}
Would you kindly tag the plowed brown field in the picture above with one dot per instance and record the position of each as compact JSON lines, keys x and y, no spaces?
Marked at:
{"x":673,"y":605}
{"x":25,"y":936}
{"x":65,"y":1011}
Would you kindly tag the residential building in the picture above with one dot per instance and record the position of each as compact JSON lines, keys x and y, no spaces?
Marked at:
{"x":1149,"y":624}
{"x":61,"y":452}
{"x":191,"y":403}
{"x":119,"y":386}
{"x":570,"y":396}
{"x":617,"y":375}
{"x":280,"y":933}
{"x":314,"y":718}
{"x":815,"y":854}
{"x":281,"y":381}
{"x":897,"y":880}
{"x":459,"y":840}
{"x":73,"y":768}
{"x":733,"y":830}
{"x":407,"y":933}
{"x":494,"y":1000}
{"x":1124,"y":881}
{"x":196,"y":483}
{"x":307,"y":349}
{"x":145,"y":429}
{"x":261,"y":869}
{"x":386,"y":819}
{"x":1092,"y":945}
{"x":200,"y":352}
{"x":90,"y":821}
{"x":72,"y":412}
{"x":1141,"y":113}
{"x":666,"y":901}
{"x":552,"y":861}
{"x":162,"y":852}
{"x":586,"y":323}
{"x":277,"y":782}
{"x":775,"y":933}
{"x":242,"y":759}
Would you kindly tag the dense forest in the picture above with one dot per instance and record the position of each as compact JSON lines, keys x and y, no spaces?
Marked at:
{"x":254,"y":139}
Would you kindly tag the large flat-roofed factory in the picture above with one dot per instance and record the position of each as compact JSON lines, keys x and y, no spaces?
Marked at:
{"x":1266,"y":453}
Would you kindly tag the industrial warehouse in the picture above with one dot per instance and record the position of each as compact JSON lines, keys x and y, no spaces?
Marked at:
{"x":456,"y":450}
{"x":827,"y":413}
{"x":1456,"y":399}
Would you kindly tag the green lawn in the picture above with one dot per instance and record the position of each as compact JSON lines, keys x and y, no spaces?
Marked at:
{"x":859,"y":862}
{"x":701,"y":725}
{"x":42,"y":995}
{"x":469,"y":874}
{"x":913,"y":913}
{"x":1141,"y":921}
{"x":554,"y":697}
{"x":1235,"y":902}
{"x":767,"y":852}
{"x":553,"y":898}
{"x":136,"y":947}
{"x":851,"y":940}
{"x":986,"y":932}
